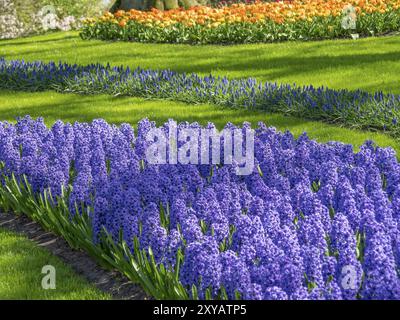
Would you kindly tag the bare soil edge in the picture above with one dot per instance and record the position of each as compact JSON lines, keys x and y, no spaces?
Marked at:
{"x":112,"y":282}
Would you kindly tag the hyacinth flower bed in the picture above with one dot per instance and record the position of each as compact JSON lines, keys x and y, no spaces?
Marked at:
{"x":355,"y":109}
{"x":313,"y":221}
{"x":249,"y":23}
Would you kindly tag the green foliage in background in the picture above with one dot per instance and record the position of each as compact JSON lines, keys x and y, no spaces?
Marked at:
{"x":24,"y":17}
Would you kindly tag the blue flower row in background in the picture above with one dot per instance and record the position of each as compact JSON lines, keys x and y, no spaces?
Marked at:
{"x":352,"y":108}
{"x":313,"y":221}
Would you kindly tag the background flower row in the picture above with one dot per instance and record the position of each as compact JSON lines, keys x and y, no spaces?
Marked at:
{"x":351,"y":108}
{"x":244,"y":23}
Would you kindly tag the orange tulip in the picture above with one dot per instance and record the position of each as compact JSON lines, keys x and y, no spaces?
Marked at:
{"x":253,"y":13}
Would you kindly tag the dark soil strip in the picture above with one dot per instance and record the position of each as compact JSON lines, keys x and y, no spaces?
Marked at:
{"x":111,"y":282}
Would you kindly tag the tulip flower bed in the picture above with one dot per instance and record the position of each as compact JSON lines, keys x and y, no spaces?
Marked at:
{"x":249,"y":23}
{"x":351,"y":108}
{"x":313,"y":221}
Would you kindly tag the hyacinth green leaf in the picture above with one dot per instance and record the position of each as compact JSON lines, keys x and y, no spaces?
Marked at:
{"x":223,"y":293}
{"x":208,"y":294}
{"x":203,"y":226}
{"x":178,"y":262}
{"x":238,"y":295}
{"x":260,"y":171}
{"x":195,"y":295}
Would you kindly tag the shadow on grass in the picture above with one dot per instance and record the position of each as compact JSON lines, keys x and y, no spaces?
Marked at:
{"x":53,"y":106}
{"x":44,"y":38}
{"x":370,"y":64}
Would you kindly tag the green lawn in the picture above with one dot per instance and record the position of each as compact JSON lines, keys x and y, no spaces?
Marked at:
{"x":371,"y":64}
{"x":72,"y":107}
{"x":21,"y":263}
